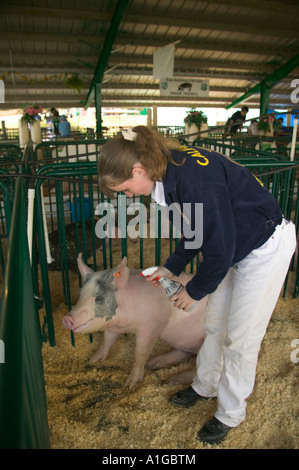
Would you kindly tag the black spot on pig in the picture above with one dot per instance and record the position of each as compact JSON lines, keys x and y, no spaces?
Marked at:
{"x":105,"y":301}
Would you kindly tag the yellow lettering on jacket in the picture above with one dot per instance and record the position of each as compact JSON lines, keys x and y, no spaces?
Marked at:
{"x":196,"y":154}
{"x":258,"y":180}
{"x":202,"y":160}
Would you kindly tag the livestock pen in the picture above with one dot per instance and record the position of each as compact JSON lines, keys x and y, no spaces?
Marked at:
{"x":91,"y":399}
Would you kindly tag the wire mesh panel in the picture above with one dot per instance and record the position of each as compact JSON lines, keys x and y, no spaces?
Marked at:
{"x":10,"y":165}
{"x":237,"y":151}
{"x":10,"y":158}
{"x":73,"y":217}
{"x":63,"y":151}
{"x":23,"y":408}
{"x":6,"y":200}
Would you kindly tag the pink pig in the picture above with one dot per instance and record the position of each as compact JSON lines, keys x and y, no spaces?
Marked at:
{"x":121,"y":301}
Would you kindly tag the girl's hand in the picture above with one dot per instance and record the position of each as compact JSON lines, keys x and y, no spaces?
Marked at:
{"x":182,"y":300}
{"x":160,"y":272}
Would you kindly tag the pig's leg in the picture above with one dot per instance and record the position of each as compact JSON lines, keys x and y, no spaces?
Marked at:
{"x":108,"y":342}
{"x":144,"y":346}
{"x":167,"y":359}
{"x":184,"y":378}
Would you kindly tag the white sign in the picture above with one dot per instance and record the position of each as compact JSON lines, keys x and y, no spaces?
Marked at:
{"x":2,"y":352}
{"x":163,"y":62}
{"x":184,"y":87}
{"x":2,"y":88}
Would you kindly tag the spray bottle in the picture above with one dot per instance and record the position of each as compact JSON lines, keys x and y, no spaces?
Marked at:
{"x":171,"y":287}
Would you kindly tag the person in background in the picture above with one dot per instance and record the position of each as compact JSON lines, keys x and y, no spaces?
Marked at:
{"x":280,"y":130}
{"x":253,"y":131}
{"x":235,"y":122}
{"x":246,"y":244}
{"x":55,"y":122}
{"x":64,"y":127}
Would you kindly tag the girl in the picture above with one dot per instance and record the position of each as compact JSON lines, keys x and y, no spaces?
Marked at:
{"x":246,"y":246}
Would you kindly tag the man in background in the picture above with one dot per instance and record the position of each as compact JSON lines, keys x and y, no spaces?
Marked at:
{"x":235,"y":122}
{"x":64,"y":127}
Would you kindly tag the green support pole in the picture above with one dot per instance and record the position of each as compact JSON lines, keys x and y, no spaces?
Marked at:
{"x":98,"y":104}
{"x":264,"y":98}
{"x":106,"y":50}
{"x":269,"y":82}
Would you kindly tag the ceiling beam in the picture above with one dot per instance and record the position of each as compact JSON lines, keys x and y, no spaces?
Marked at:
{"x":172,"y":104}
{"x":268,"y":81}
{"x":276,"y":5}
{"x":42,"y":71}
{"x":79,"y":98}
{"x":198,"y":43}
{"x":13,"y":89}
{"x":78,"y":14}
{"x":193,"y":65}
{"x":216,"y":25}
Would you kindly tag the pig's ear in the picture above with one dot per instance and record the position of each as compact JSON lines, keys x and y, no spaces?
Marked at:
{"x":82,"y":266}
{"x":123,"y":263}
{"x":121,"y":273}
{"x":121,"y":268}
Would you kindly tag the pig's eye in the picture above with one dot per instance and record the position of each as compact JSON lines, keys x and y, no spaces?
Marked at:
{"x":99,"y":299}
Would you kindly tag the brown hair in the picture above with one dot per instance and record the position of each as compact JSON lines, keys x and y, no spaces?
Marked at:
{"x":118,"y":156}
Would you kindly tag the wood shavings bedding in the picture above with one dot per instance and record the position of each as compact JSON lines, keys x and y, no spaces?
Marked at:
{"x":89,"y":407}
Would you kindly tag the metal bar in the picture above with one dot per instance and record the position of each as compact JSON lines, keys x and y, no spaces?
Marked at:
{"x":98,"y":106}
{"x":270,"y":80}
{"x":106,"y":50}
{"x":43,"y":263}
{"x":265,"y":91}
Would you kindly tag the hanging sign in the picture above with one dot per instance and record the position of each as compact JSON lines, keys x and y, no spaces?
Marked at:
{"x":163,"y":62}
{"x":2,"y":90}
{"x":184,"y":87}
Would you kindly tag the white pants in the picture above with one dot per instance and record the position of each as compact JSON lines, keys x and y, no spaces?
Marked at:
{"x":238,"y":313}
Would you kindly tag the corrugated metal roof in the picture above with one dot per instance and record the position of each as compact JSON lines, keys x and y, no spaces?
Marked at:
{"x":232,"y":44}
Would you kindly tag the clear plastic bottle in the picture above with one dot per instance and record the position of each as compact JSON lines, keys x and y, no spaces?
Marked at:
{"x":171,"y":287}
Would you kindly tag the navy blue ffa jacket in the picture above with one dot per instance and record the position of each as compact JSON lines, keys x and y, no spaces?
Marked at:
{"x":238,"y":214}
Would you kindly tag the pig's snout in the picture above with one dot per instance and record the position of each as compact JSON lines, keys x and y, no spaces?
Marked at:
{"x":68,"y":322}
{"x":77,"y":323}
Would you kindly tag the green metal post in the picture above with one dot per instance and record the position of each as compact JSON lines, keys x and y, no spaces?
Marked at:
{"x":43,"y":262}
{"x":264,"y":98}
{"x":270,"y":80}
{"x":106,"y":50}
{"x":98,"y":105}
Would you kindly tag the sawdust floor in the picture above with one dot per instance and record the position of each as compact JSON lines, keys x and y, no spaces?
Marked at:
{"x":89,"y":407}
